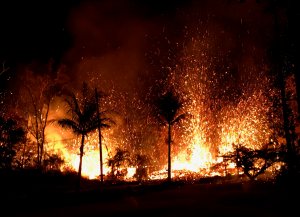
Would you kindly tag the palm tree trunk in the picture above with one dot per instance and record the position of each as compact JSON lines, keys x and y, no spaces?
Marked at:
{"x":42,"y":151}
{"x":80,"y":162}
{"x":100,"y":139}
{"x":297,"y":77}
{"x":285,"y":107}
{"x":169,"y":153}
{"x":23,"y":155}
{"x":101,"y":156}
{"x":43,"y":128}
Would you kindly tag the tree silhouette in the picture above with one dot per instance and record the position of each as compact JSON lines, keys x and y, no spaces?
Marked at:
{"x":254,"y":162}
{"x":102,"y":122}
{"x":38,"y":92}
{"x":10,"y":135}
{"x":168,"y":107}
{"x":283,"y":63}
{"x":121,"y":158}
{"x":83,"y":118}
{"x":53,"y":162}
{"x":140,"y":161}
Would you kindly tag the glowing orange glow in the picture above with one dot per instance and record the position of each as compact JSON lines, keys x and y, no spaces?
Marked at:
{"x":214,"y":124}
{"x":243,"y":124}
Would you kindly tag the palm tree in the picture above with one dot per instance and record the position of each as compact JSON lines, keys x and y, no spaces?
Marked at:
{"x":168,"y":106}
{"x":102,"y":122}
{"x":83,"y":118}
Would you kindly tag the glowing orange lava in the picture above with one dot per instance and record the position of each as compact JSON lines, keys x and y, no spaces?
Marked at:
{"x":216,"y":121}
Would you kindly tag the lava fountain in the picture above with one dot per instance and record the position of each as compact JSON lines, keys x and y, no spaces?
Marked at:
{"x":223,"y":110}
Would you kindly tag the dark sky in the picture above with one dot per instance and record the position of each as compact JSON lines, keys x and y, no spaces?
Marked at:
{"x":39,"y":29}
{"x":109,"y":33}
{"x":35,"y":29}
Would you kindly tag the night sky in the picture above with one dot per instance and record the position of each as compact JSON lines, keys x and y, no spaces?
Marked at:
{"x":69,"y":31}
{"x":39,"y":30}
{"x":34,"y":30}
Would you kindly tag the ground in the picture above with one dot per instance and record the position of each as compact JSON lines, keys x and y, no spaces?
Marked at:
{"x":184,"y":199}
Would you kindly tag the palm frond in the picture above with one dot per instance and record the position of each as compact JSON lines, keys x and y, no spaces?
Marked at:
{"x":105,"y":125}
{"x":161,"y":120}
{"x":168,"y":106}
{"x":52,"y":121}
{"x":178,"y":119}
{"x":73,"y":105}
{"x":89,"y":112}
{"x":70,"y":124}
{"x":107,"y":121}
{"x":109,"y":112}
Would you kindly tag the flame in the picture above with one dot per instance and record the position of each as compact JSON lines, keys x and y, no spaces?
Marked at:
{"x":195,"y":158}
{"x":192,"y":151}
{"x":216,"y":121}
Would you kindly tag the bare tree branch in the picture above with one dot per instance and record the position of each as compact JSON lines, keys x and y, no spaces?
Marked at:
{"x":4,"y":69}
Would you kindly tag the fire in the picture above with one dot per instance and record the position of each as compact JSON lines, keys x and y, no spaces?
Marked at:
{"x":243,"y":125}
{"x":218,"y":118}
{"x":199,"y":158}
{"x":193,"y":151}
{"x":70,"y":153}
{"x":90,"y":160}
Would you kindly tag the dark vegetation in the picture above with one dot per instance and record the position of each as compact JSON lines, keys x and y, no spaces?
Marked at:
{"x":52,"y":194}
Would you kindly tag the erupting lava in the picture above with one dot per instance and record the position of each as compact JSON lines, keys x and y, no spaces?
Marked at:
{"x":221,"y":113}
